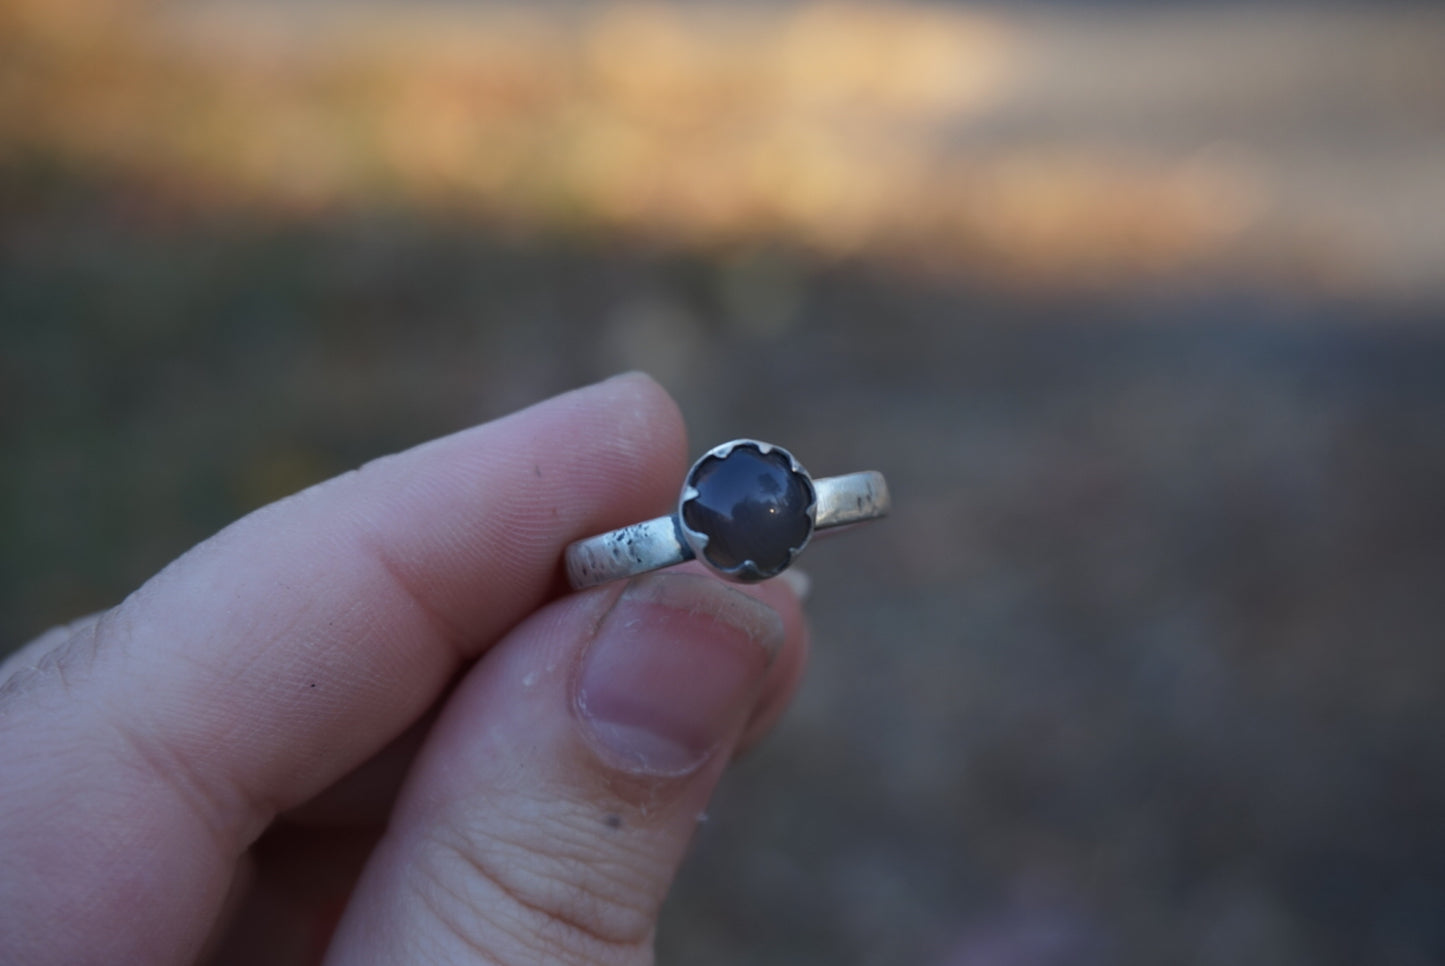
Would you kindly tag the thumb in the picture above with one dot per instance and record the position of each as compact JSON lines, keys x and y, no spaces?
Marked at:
{"x":551,"y":805}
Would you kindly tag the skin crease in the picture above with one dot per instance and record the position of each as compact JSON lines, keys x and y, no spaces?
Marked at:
{"x":204,"y":771}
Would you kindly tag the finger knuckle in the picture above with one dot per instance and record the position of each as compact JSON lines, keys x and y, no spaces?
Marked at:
{"x":542,"y":893}
{"x":56,"y":659}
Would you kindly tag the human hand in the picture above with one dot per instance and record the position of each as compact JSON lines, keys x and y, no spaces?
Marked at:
{"x":205,"y":770}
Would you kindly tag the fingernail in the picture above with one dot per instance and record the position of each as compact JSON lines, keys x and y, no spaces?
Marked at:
{"x":673,"y":670}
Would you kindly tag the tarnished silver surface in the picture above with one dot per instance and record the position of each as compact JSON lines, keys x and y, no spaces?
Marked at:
{"x":846,"y":500}
{"x":653,"y":544}
{"x":622,"y":553}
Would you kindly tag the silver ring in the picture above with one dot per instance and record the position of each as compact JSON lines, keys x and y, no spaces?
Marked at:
{"x":747,"y":509}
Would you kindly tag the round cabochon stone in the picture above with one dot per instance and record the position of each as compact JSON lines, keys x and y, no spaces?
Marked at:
{"x":750,"y":505}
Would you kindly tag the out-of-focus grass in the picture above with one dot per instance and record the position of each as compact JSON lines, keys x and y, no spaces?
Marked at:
{"x":845,"y":128}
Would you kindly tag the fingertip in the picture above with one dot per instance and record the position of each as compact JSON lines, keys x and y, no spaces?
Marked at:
{"x":646,"y":409}
{"x":552,"y":803}
{"x":781,"y":593}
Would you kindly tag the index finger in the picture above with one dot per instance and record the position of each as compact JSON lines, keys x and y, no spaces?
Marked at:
{"x":143,"y":756}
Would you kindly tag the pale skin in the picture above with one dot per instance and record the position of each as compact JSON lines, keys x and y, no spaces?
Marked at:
{"x":369,"y":723}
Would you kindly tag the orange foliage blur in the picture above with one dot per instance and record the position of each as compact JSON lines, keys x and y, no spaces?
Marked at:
{"x":843,"y":128}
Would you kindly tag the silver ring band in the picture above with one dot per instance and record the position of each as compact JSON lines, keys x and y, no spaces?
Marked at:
{"x":746,"y":522}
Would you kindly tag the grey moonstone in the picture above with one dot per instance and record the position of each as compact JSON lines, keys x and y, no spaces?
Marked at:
{"x":751,"y":506}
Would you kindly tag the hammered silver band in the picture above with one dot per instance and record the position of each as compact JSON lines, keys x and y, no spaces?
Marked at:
{"x":654,"y":544}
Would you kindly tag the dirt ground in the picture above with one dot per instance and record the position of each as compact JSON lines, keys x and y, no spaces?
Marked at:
{"x":1144,"y":668}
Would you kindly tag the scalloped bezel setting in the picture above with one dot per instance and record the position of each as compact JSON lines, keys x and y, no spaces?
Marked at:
{"x":747,"y":509}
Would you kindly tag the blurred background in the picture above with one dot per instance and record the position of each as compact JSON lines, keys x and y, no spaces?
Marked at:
{"x":1139,"y":306}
